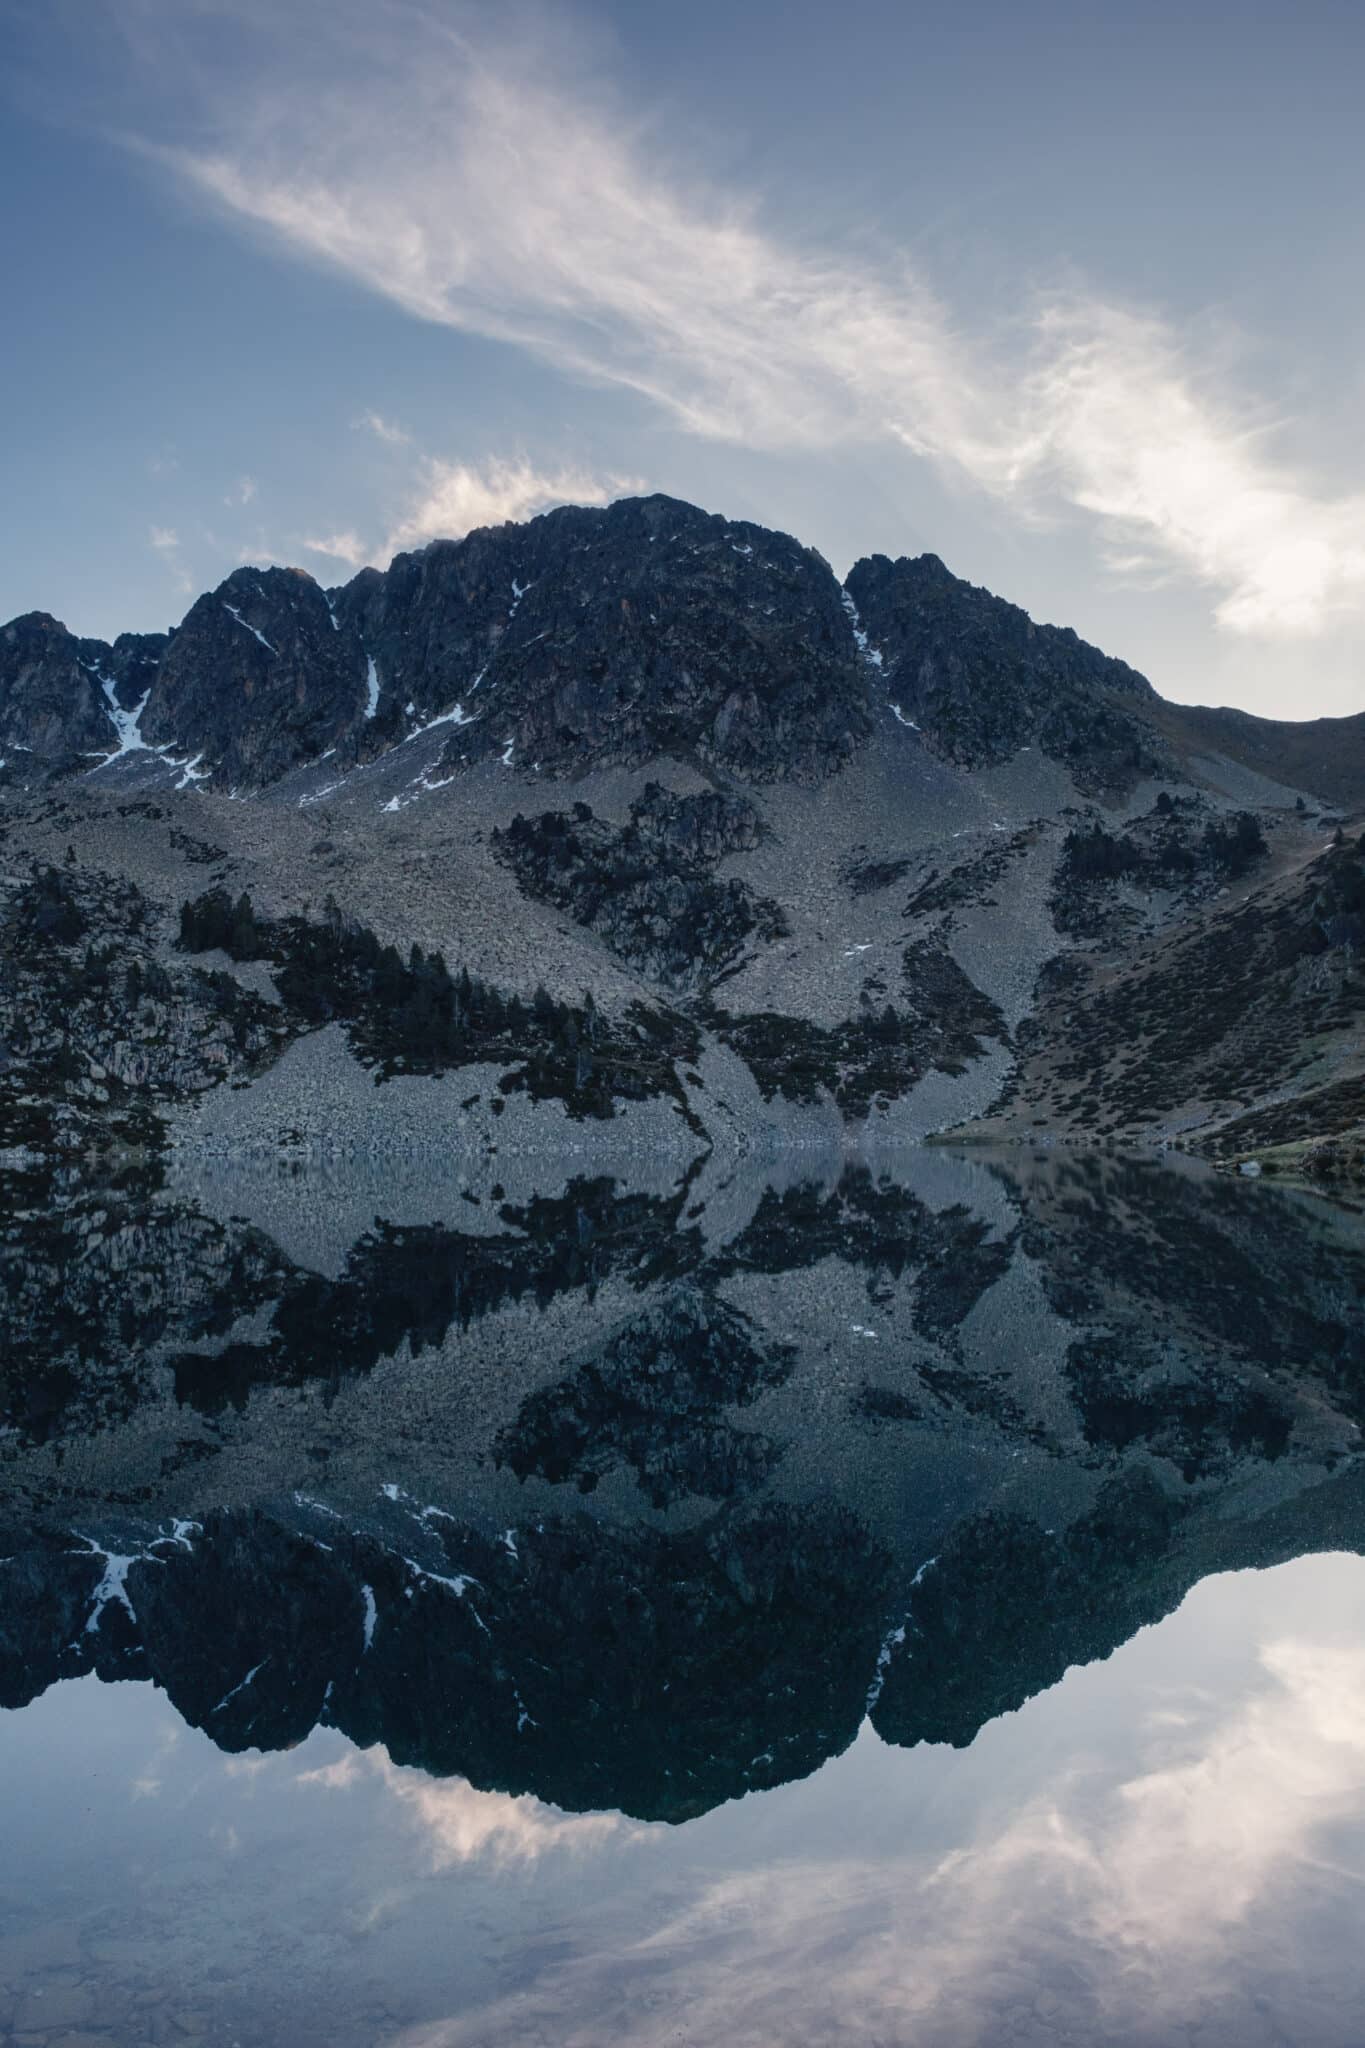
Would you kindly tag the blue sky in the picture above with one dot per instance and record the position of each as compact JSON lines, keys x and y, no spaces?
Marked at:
{"x":1071,"y":295}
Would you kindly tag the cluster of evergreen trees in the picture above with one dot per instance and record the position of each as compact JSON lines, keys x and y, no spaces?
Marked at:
{"x":1099,"y":856}
{"x":414,"y":1015}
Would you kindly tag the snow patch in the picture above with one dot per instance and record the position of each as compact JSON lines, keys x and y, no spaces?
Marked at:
{"x":870,"y":654}
{"x":127,"y":724}
{"x":250,"y":628}
{"x":371,"y":686}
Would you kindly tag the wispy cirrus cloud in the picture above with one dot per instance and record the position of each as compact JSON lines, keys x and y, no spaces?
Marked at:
{"x":453,"y":179}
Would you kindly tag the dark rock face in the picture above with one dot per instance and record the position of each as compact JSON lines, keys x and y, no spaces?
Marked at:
{"x":54,"y":711}
{"x":644,"y":888}
{"x":656,"y":1673}
{"x":652,"y":1399}
{"x":95,"y":1031}
{"x":981,"y":680}
{"x":875,"y":1056}
{"x":258,"y":679}
{"x":587,"y":637}
{"x":1007,"y":1606}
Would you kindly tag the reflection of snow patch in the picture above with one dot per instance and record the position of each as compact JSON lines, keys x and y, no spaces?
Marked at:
{"x":241,"y":1687}
{"x":114,"y":1585}
{"x":892,"y":1641}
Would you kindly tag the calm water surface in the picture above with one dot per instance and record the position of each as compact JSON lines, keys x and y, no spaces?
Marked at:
{"x":908,"y":1605}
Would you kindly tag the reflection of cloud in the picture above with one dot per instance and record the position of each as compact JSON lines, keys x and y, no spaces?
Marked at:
{"x":463,"y":1825}
{"x":476,"y":191}
{"x":1141,"y":1892}
{"x":1198,"y":1844}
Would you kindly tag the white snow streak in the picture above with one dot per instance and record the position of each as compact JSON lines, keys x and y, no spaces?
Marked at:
{"x":250,"y":628}
{"x":371,"y":686}
{"x":870,"y":654}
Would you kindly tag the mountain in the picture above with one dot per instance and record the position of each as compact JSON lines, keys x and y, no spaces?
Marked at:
{"x":636,"y":818}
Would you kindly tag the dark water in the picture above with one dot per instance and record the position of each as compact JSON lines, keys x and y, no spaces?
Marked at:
{"x":907,"y":1603}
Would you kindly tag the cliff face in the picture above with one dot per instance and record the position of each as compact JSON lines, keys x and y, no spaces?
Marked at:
{"x":981,"y":680}
{"x":259,"y":677}
{"x":591,"y":637}
{"x":57,"y":714}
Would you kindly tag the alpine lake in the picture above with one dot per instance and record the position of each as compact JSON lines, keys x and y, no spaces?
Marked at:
{"x":912,"y":1601}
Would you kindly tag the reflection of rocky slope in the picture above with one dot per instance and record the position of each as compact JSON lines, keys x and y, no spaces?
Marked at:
{"x":918,"y":1445}
{"x":882,"y":844}
{"x":654,"y":1398}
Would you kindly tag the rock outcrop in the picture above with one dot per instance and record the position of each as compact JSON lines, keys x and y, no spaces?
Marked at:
{"x":259,"y":678}
{"x":981,"y":680}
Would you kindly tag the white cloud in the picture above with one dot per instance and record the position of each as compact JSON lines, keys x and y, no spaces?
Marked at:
{"x":345,"y":547}
{"x":455,"y":497}
{"x":242,"y":492}
{"x":470,"y":192}
{"x":383,"y":430}
{"x":165,"y":542}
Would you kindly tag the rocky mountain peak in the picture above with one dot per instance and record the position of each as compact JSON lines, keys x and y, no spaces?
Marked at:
{"x":611,"y":636}
{"x":259,"y":676}
{"x":591,"y":636}
{"x":55,"y":716}
{"x":981,"y":679}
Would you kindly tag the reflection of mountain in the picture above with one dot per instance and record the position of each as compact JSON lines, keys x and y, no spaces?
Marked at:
{"x":617,"y":1667}
{"x":908,"y":1445}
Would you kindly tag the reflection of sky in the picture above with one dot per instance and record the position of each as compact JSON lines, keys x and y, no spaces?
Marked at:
{"x":1174,"y":1837}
